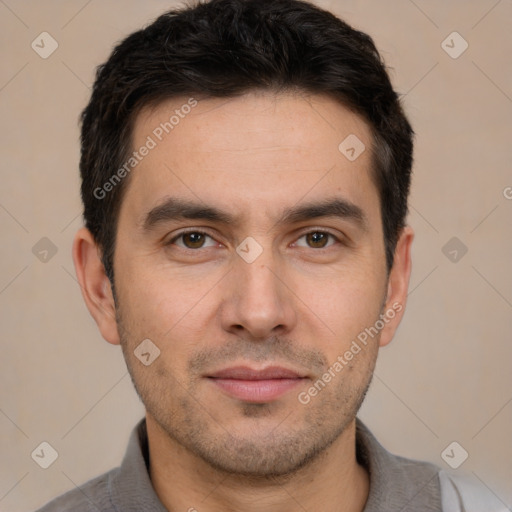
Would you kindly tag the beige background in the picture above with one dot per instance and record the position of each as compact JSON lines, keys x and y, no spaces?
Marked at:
{"x":446,"y":376}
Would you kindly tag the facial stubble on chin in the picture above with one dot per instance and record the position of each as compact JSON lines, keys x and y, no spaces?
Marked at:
{"x":278,"y":454}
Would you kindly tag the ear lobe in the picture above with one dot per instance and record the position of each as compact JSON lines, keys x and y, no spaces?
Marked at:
{"x":398,"y":285}
{"x":95,"y":285}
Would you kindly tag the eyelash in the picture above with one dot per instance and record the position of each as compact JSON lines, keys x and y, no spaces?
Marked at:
{"x":199,"y":232}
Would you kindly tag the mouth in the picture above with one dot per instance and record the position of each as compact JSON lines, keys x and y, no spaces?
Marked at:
{"x":256,"y":386}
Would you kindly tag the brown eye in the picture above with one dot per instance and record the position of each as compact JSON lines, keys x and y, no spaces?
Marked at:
{"x":317,"y":239}
{"x":193,"y":240}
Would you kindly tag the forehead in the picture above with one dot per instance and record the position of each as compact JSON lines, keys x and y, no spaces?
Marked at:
{"x":261,"y":149}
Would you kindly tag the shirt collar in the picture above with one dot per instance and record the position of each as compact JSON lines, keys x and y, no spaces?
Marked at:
{"x":130,"y":488}
{"x":396,"y":483}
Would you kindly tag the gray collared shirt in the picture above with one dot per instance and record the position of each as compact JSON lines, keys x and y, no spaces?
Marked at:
{"x":397,"y":484}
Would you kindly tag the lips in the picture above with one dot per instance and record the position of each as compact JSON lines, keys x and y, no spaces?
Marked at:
{"x":246,"y":373}
{"x":256,"y":386}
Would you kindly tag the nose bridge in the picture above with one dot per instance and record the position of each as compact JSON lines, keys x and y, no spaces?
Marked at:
{"x":258,"y":277}
{"x":259,"y":280}
{"x":261,"y":302}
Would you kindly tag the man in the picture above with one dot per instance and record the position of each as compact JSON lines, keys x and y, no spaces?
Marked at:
{"x":245,"y":172}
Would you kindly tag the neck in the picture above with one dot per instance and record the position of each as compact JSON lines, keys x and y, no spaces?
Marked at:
{"x":333,"y":482}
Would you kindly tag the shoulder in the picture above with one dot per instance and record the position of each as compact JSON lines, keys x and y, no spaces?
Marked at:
{"x":93,"y":496}
{"x":461,"y":493}
{"x":396,"y":482}
{"x":400,"y":483}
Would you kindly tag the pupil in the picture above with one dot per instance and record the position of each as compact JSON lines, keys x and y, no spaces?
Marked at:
{"x":194,"y":239}
{"x":318,"y":238}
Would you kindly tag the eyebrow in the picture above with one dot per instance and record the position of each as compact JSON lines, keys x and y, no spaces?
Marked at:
{"x":174,"y":209}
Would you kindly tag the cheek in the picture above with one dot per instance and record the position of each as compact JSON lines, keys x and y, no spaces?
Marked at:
{"x":156,"y":295}
{"x":346,"y":301}
{"x":172,"y":310}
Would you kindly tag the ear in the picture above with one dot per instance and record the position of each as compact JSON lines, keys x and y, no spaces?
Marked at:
{"x":95,"y":285}
{"x":398,"y":285}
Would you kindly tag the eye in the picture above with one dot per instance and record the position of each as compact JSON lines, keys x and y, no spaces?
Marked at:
{"x":317,"y":239}
{"x":198,"y":240}
{"x":192,"y":240}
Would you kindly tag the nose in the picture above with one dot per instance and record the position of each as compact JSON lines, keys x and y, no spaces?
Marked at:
{"x":258,"y":300}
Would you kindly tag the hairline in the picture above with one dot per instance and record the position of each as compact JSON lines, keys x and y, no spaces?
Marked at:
{"x":149,"y":104}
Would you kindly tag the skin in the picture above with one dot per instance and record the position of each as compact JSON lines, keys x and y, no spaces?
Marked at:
{"x":300,"y":304}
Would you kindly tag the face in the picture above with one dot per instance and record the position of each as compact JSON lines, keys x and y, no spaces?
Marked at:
{"x":250,"y":252}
